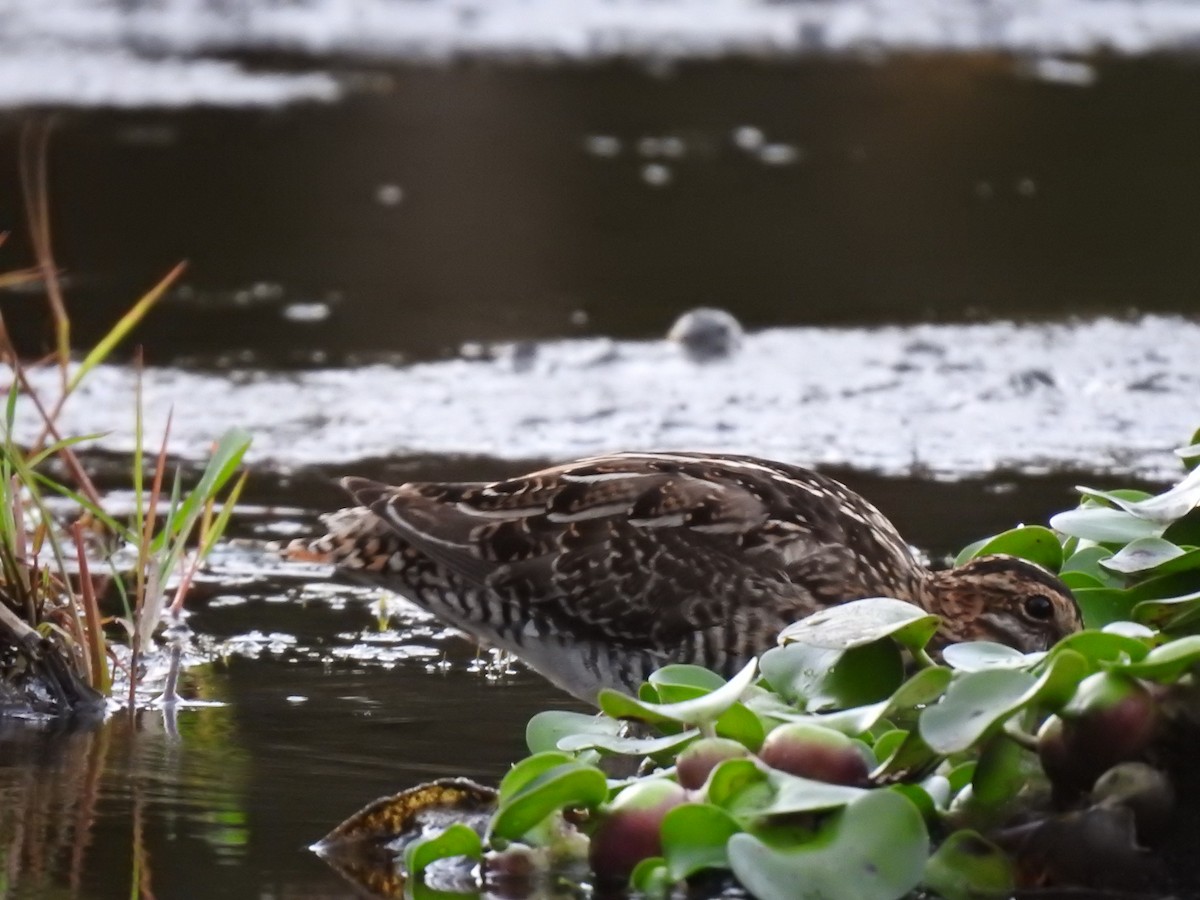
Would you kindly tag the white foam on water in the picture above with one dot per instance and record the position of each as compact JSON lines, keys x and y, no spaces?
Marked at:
{"x":956,"y":400}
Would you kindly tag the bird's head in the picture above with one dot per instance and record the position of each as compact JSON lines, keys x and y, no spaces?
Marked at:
{"x":1003,"y":599}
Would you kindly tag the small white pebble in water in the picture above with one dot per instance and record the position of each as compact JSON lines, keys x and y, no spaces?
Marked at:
{"x":748,"y":137}
{"x":656,"y":175}
{"x":672,"y":147}
{"x":603,"y":145}
{"x":266,"y":290}
{"x":779,"y":154}
{"x":1064,"y":71}
{"x":389,"y":194}
{"x":1026,"y":187}
{"x":296,"y":698}
{"x":306,"y":312}
{"x":706,"y":334}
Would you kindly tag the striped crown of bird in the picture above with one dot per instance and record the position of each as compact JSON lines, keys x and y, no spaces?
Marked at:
{"x":597,"y":572}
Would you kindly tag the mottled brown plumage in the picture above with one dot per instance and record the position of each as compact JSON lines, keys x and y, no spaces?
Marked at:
{"x":598,"y":571}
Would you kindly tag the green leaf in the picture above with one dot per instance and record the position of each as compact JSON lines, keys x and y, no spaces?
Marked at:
{"x":875,"y":850}
{"x":1167,"y":612}
{"x":694,"y":836}
{"x":1104,"y":525}
{"x":569,"y":785}
{"x":791,"y":794}
{"x":671,"y":677}
{"x":861,"y":622}
{"x":730,"y":778}
{"x":547,"y":728}
{"x":1185,"y":531}
{"x":1166,"y":663}
{"x":1031,"y":542}
{"x":628,"y":746}
{"x":923,"y":688}
{"x":975,"y":656}
{"x":1143,"y":555}
{"x":817,"y":678}
{"x":967,"y":866}
{"x":979,"y":702}
{"x":650,"y":878}
{"x":457,"y":840}
{"x":1102,"y":606}
{"x":687,"y":712}
{"x":527,"y":770}
{"x":1087,"y":560}
{"x":1102,"y":646}
{"x":1162,"y":508}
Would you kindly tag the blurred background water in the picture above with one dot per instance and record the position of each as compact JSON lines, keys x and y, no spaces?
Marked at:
{"x":446,"y":239}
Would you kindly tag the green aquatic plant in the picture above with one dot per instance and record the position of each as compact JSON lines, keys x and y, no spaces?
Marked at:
{"x":56,"y":565}
{"x":848,"y":763}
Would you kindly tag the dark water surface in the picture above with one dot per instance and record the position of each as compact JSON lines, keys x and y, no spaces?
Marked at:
{"x":480,"y":203}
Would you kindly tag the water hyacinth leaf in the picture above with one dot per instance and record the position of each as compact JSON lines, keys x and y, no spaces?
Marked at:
{"x":694,"y":836}
{"x":889,"y":742}
{"x":1087,"y":561}
{"x":974,"y":656}
{"x":969,"y":552}
{"x":528,"y":769}
{"x":1103,"y":646}
{"x":1166,"y":613}
{"x":730,"y":778}
{"x":1102,"y":606}
{"x":650,"y":878}
{"x":1162,"y":508}
{"x":1077,"y":580}
{"x":861,"y":622}
{"x":679,"y":675}
{"x":791,"y":794}
{"x":456,"y":840}
{"x":978,"y":702}
{"x":627,"y":746}
{"x":967,"y":866}
{"x":1166,"y":663}
{"x":1185,"y":531}
{"x":687,"y":712}
{"x":999,"y":772}
{"x":547,"y":728}
{"x":1142,"y":555}
{"x":913,"y":755}
{"x":1030,"y":542}
{"x":1104,"y":525}
{"x":571,"y":785}
{"x":875,"y":850}
{"x":819,"y":678}
{"x":1133,"y":630}
{"x":739,"y":724}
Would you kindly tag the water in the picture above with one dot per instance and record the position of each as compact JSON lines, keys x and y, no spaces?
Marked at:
{"x":461,"y":270}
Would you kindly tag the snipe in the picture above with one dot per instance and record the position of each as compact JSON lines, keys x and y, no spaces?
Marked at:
{"x":598,"y":571}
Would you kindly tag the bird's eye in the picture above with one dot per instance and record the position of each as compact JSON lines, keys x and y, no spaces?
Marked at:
{"x":1039,"y":607}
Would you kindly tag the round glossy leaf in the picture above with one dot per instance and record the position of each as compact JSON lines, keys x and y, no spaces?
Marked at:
{"x":791,"y":794}
{"x":1077,"y":580}
{"x":875,"y":850}
{"x":817,"y":678}
{"x":1087,"y":561}
{"x":1165,"y":613}
{"x":546,"y":729}
{"x":1143,"y":555}
{"x":1185,"y":531}
{"x":975,"y":656}
{"x":1103,"y":646}
{"x":1104,"y":525}
{"x":627,"y":746}
{"x":978,"y":702}
{"x":1166,"y":663}
{"x":569,"y":785}
{"x":457,"y":840}
{"x":1162,"y":508}
{"x":1031,"y":542}
{"x":1102,"y":606}
{"x":739,"y":724}
{"x":924,"y":687}
{"x":695,"y":711}
{"x":650,"y":879}
{"x":969,"y":867}
{"x":999,"y":772}
{"x":677,"y":675}
{"x":861,"y":622}
{"x":694,"y":837}
{"x":528,"y":769}
{"x":730,"y":778}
